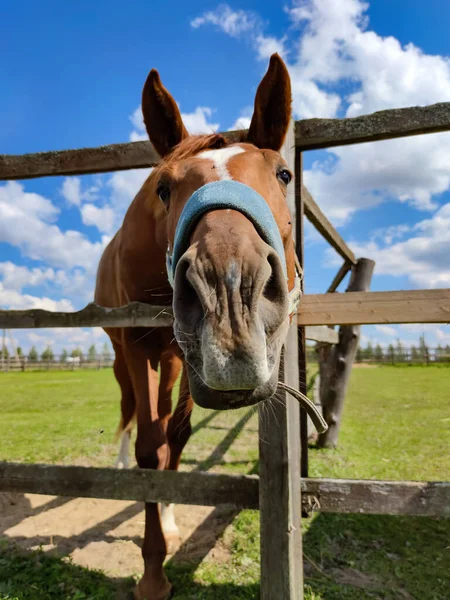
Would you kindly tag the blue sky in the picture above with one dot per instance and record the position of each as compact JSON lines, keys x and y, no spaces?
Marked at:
{"x":73,"y":76}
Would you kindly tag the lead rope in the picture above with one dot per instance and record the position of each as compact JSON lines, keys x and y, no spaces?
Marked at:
{"x":319,"y":422}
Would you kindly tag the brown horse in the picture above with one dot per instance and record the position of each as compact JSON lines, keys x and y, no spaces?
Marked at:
{"x":230,"y":289}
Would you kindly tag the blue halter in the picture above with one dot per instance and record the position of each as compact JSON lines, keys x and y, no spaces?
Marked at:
{"x":236,"y":196}
{"x":218,"y":195}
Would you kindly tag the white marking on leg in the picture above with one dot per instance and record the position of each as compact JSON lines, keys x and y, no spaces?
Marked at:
{"x":220,"y":159}
{"x":168,"y":519}
{"x":123,"y":458}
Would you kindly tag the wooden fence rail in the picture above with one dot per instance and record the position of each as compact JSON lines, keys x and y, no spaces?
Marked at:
{"x":310,"y":134}
{"x":357,"y":308}
{"x":417,"y":498}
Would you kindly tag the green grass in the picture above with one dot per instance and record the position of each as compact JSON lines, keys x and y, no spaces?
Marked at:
{"x":396,"y":426}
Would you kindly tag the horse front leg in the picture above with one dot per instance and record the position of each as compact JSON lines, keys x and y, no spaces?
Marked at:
{"x":151,"y":453}
{"x":178,"y":433}
{"x":171,"y":366}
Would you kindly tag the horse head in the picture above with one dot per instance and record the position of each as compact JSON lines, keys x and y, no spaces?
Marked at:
{"x":230,"y":252}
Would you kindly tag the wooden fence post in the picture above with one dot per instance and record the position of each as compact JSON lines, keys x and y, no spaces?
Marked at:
{"x":336,"y":362}
{"x":279,"y":468}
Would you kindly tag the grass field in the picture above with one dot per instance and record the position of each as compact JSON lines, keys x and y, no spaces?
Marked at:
{"x":396,"y":426}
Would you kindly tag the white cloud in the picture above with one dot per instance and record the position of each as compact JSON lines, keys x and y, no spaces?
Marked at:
{"x":74,"y":195}
{"x":231,"y":22}
{"x":195,"y":122}
{"x":337,"y":47}
{"x":386,"y":330}
{"x":25,"y":222}
{"x":101,"y":217}
{"x":16,"y":277}
{"x":71,"y":190}
{"x":11,"y":299}
{"x":423,"y":257}
{"x":242,"y":23}
{"x":244,"y":120}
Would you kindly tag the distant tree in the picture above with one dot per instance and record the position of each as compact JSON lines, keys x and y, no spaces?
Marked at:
{"x":47,"y":355}
{"x":359,"y":355}
{"x":4,"y":354}
{"x":447,"y":353}
{"x":399,"y":352}
{"x":105,"y":352}
{"x":33,"y":354}
{"x":77,"y":353}
{"x":378,"y":353}
{"x":368,"y":351}
{"x":391,"y":353}
{"x":92,"y":353}
{"x":414,"y":354}
{"x":19,"y":352}
{"x":63,"y":356}
{"x":423,"y":349}
{"x":438,"y":353}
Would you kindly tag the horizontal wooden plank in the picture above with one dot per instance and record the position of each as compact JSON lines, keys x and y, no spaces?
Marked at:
{"x":204,"y":489}
{"x":135,"y":314}
{"x":312,"y":134}
{"x":324,"y":227}
{"x":84,"y":161}
{"x":319,"y":333}
{"x":367,"y":308}
{"x":418,"y":498}
{"x":413,"y":498}
{"x":357,"y":308}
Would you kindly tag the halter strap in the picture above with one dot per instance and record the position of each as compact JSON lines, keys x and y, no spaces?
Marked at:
{"x":236,"y":196}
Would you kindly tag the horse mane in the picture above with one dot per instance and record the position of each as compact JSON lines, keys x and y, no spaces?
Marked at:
{"x":197,"y":143}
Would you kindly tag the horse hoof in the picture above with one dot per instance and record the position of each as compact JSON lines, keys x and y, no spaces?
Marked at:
{"x":137,"y":594}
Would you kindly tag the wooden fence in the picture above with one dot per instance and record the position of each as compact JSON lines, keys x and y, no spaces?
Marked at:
{"x":279,"y":492}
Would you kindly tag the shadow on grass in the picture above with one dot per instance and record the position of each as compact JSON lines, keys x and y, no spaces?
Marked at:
{"x":35,"y":575}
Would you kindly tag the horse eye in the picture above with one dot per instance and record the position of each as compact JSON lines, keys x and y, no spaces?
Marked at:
{"x":163,"y":192}
{"x":284,"y":176}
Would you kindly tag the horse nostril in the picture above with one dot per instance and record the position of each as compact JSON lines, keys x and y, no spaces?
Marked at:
{"x":187,"y":306}
{"x":274,"y":288}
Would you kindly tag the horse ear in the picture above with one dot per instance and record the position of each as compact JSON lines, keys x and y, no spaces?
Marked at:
{"x":272,"y":110}
{"x":162,"y":117}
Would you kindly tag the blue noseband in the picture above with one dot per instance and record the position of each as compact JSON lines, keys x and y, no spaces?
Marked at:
{"x":220,"y":195}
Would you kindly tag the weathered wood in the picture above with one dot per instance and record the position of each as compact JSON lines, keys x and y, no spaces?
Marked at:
{"x":359,"y":308}
{"x":324,"y":227}
{"x":143,"y":485}
{"x":302,"y":376}
{"x":414,"y":498}
{"x":339,"y":277}
{"x":336,"y":362}
{"x":407,"y":498}
{"x":319,"y":333}
{"x":84,"y":161}
{"x":135,"y":314}
{"x":408,"y":306}
{"x":312,"y":134}
{"x":279,"y":469}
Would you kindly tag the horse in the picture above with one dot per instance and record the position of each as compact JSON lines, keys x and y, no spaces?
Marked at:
{"x":210,"y":234}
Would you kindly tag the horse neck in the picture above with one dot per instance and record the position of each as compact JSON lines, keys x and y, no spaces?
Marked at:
{"x":142,"y":253}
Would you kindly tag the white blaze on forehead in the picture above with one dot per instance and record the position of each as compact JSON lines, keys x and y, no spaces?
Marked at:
{"x":220,"y":159}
